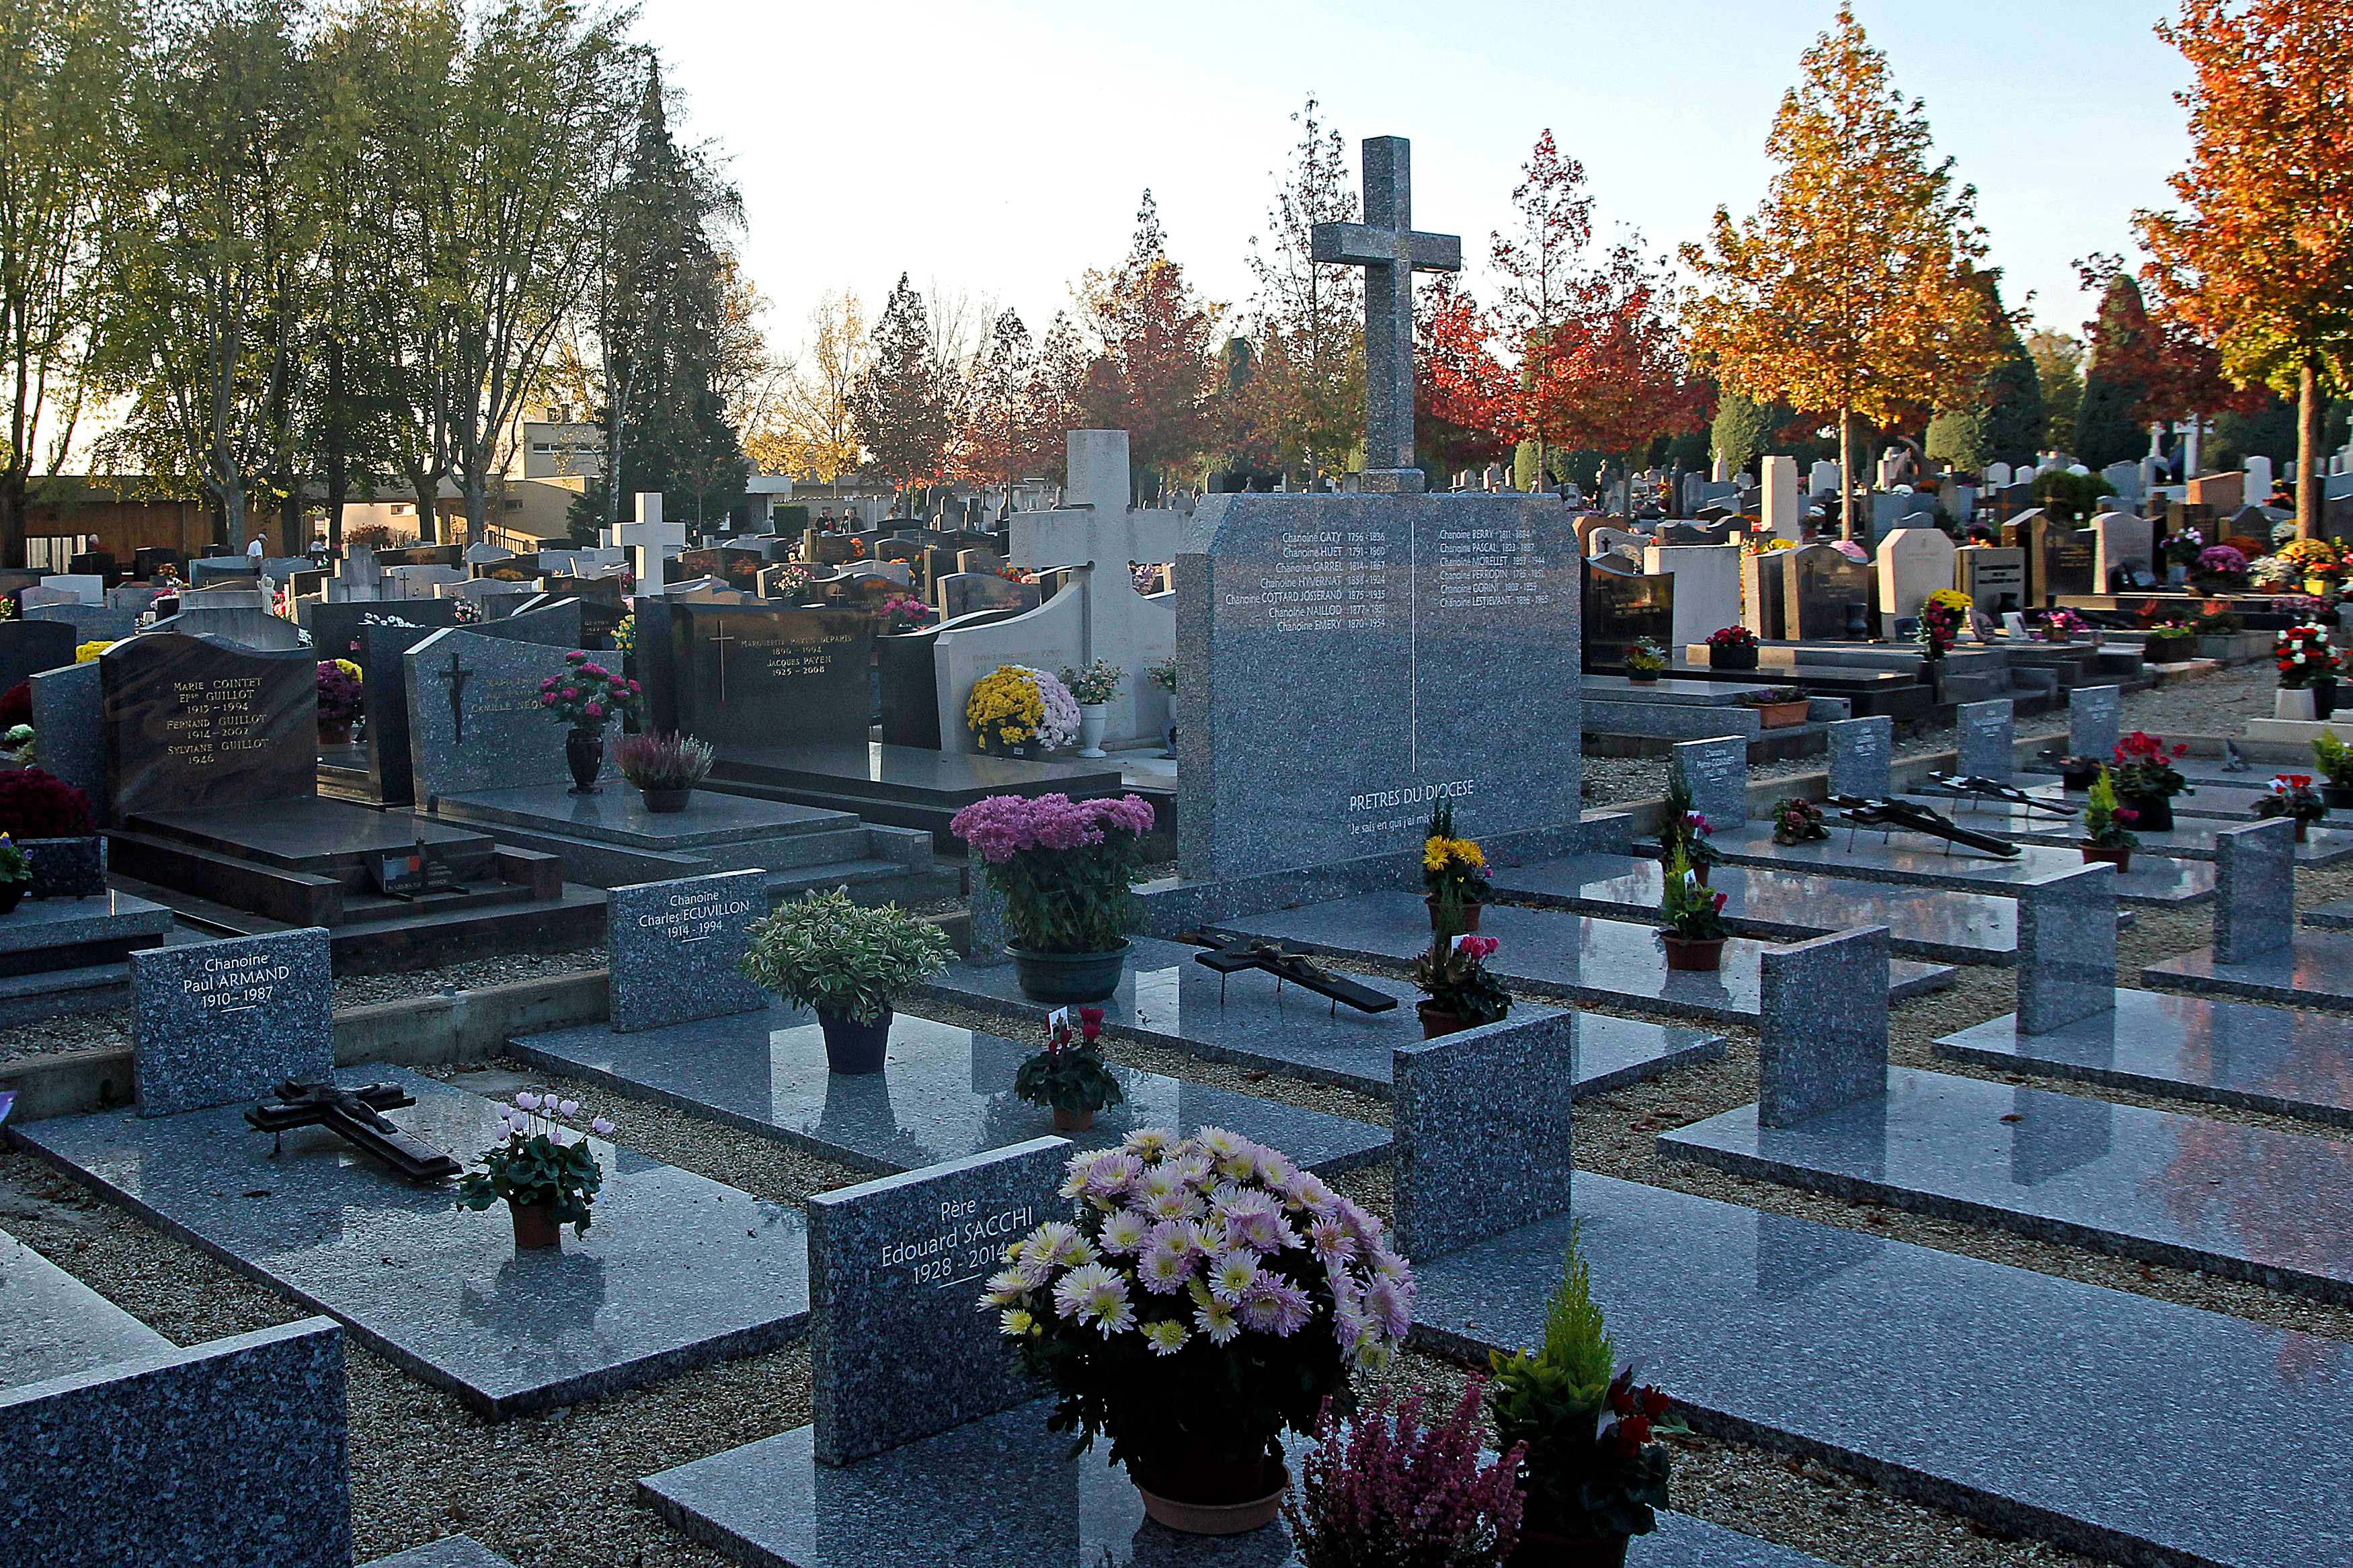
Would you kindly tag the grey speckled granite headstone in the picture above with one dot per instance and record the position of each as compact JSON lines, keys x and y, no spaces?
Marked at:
{"x":69,"y":718}
{"x":477,"y":723}
{"x":216,"y":1022}
{"x":1464,"y":1171}
{"x":1984,"y":738}
{"x":229,"y":1455}
{"x":1822,"y":1039}
{"x":1351,"y":661}
{"x":986,"y":935}
{"x":898,"y":1348}
{"x":1860,"y":752}
{"x":30,"y":647}
{"x":676,"y":947}
{"x":2066,"y":948}
{"x":2091,"y":721}
{"x":2254,"y":889}
{"x":1718,"y":772}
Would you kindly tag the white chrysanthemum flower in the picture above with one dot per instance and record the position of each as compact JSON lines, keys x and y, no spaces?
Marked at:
{"x":1016,"y":1324}
{"x":1123,"y":1232}
{"x":1217,"y":1319}
{"x":1163,"y":1270}
{"x":1007,"y":1286}
{"x":1148,"y":1143}
{"x":1166,"y":1337}
{"x":1046,"y":1243}
{"x":1073,"y":1293}
{"x":1233,"y":1274}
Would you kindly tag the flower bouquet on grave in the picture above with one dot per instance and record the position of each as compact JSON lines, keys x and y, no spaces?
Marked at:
{"x":50,"y":822}
{"x":2168,"y":642}
{"x":1014,"y":707}
{"x":2064,"y":625}
{"x":1942,"y":615}
{"x":1684,"y":830}
{"x":2304,"y":655}
{"x":2272,"y":572}
{"x":1731,"y":647}
{"x":664,"y":767}
{"x":902,"y":612}
{"x":1163,"y":675}
{"x":1695,"y":931}
{"x":2292,"y":796}
{"x":1777,"y":707}
{"x":2321,"y":562}
{"x":1645,"y":660}
{"x":1066,"y":870}
{"x":1453,"y":874}
{"x":1070,"y":1077}
{"x":1378,"y":1487}
{"x":2107,"y":834}
{"x":788,"y":582}
{"x":2217,"y":619}
{"x":2147,"y":780}
{"x":625,"y":634}
{"x":1797,"y":820}
{"x":21,"y":744}
{"x":1462,"y":995}
{"x":2183,"y":549}
{"x":1592,"y":1469}
{"x":1206,"y":1296}
{"x":2336,"y":761}
{"x":585,"y":698}
{"x":847,"y":964}
{"x":545,"y":1183}
{"x":1094,"y":687}
{"x":339,"y":700}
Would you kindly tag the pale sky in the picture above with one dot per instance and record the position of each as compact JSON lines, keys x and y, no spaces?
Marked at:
{"x":999,"y":147}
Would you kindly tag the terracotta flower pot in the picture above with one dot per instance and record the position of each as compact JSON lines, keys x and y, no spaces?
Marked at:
{"x":1435,"y":1021}
{"x":1203,"y":1508}
{"x":2119,"y":856}
{"x":1781,"y":715}
{"x":535,"y":1230}
{"x":1470,"y":913}
{"x":1072,"y":1121}
{"x":1690,"y":953}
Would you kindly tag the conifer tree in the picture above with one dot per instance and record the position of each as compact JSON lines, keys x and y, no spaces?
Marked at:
{"x":899,"y":403}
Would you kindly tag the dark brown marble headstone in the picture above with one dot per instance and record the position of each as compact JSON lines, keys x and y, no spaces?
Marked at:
{"x":192,"y":725}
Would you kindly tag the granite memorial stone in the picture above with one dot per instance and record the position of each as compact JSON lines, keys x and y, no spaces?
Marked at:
{"x":2091,"y":721}
{"x":30,"y":647}
{"x":191,"y":724}
{"x":475,"y":721}
{"x":1861,"y":752}
{"x":69,"y":716}
{"x":1985,"y":736}
{"x":1822,"y":1039}
{"x":759,"y":676}
{"x":1821,"y":584}
{"x":1718,"y":772}
{"x":2254,"y":889}
{"x":212,"y":1023}
{"x":1462,"y":1173}
{"x":675,"y":949}
{"x":1912,"y":564}
{"x":2066,"y":948}
{"x":1621,"y":603}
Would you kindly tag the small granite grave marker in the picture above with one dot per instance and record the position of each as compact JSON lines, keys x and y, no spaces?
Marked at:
{"x":475,"y":721}
{"x":899,"y":1351}
{"x":1718,"y":772}
{"x":2066,"y":948}
{"x":1862,"y":751}
{"x":216,"y":1022}
{"x":675,"y":946}
{"x":1462,"y":1173}
{"x":69,"y":716}
{"x":1822,"y":1038}
{"x":1984,"y":738}
{"x":2254,"y":889}
{"x":2091,"y":721}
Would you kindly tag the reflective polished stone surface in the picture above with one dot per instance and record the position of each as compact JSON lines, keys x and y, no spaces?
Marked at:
{"x":1864,"y":855}
{"x":1578,"y":958}
{"x":2196,"y":1047}
{"x":310,"y":834}
{"x":2244,"y":1202}
{"x":2191,"y":837}
{"x":38,"y":923}
{"x":2130,"y":1428}
{"x":52,"y":1325}
{"x":944,"y":1092}
{"x":1923,"y":922}
{"x":2315,"y":970}
{"x":618,"y":815}
{"x":911,"y":772}
{"x":677,"y":1271}
{"x":1165,"y":998}
{"x":945,"y":1500}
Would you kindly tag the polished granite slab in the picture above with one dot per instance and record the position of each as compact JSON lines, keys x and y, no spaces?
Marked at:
{"x":53,"y":1325}
{"x":2314,"y":969}
{"x":618,"y":815}
{"x":1253,"y":1019}
{"x":1866,"y":855}
{"x":2244,"y":1202}
{"x":1578,"y":958}
{"x":39,"y":923}
{"x":1923,"y":922}
{"x":943,"y":1093}
{"x":915,"y":774}
{"x":2228,"y":798}
{"x":311,"y":834}
{"x":2194,"y":1048}
{"x":2191,"y":837}
{"x":2129,"y":1428}
{"x":677,"y":1272}
{"x":449,"y":1552}
{"x":2336,"y":914}
{"x":942,"y":1501}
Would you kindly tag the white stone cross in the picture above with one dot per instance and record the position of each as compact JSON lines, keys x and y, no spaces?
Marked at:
{"x":1391,"y":252}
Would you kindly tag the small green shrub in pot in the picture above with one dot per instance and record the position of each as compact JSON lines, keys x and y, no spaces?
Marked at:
{"x":847,"y":964}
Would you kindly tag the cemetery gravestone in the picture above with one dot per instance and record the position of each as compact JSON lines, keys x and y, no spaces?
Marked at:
{"x":2254,"y":889}
{"x":675,"y":949}
{"x":1985,"y":733}
{"x":898,"y":1351}
{"x":475,"y":719}
{"x":1707,"y":586}
{"x":190,"y":725}
{"x":69,"y":717}
{"x":1350,"y":661}
{"x":30,"y":647}
{"x":1783,"y":516}
{"x":2122,"y":542}
{"x":1622,"y":603}
{"x":1718,"y":772}
{"x":756,"y":675}
{"x":1821,"y":584}
{"x":1761,"y":608}
{"x":1861,"y":753}
{"x":1912,"y":564}
{"x":1822,"y":1038}
{"x":965,"y":593}
{"x":1993,"y":576}
{"x":384,"y":675}
{"x":217,"y":1022}
{"x":2066,"y":948}
{"x":2091,"y":721}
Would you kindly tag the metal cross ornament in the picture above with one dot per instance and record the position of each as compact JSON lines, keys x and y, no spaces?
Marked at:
{"x":457,"y":676}
{"x":1391,"y":252}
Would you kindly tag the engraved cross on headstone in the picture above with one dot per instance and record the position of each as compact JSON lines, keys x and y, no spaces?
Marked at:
{"x":457,"y":676}
{"x":1391,"y":252}
{"x":719,"y":641}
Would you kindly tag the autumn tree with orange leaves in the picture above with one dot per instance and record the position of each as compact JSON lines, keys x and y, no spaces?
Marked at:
{"x":1538,"y":263}
{"x":2262,"y":260}
{"x":1848,"y":292}
{"x":1461,"y":397}
{"x":1615,"y":374}
{"x":1153,"y":378}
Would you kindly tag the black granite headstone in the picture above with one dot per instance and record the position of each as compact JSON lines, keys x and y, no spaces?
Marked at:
{"x":1818,"y":585}
{"x":335,"y":628}
{"x":192,"y":724}
{"x":29,"y":648}
{"x":747,"y":675}
{"x":1622,"y":603}
{"x":964,"y":592}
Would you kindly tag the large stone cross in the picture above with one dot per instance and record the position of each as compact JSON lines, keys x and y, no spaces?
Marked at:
{"x":1389,"y":250}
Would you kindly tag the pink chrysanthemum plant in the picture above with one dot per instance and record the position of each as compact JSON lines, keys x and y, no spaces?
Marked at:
{"x":1066,"y":867}
{"x":1206,"y":1296}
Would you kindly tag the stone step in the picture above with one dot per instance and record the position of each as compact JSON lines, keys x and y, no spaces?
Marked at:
{"x":2314,"y":969}
{"x":944,"y":1093}
{"x":1912,"y":859}
{"x":2193,"y":1047}
{"x":870,"y":877}
{"x":2240,"y":1203}
{"x":2018,"y":1398}
{"x":1166,"y":999}
{"x":1578,"y":958}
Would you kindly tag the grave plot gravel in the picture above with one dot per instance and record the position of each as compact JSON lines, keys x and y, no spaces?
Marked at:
{"x":362,"y":989}
{"x":103,"y":1031}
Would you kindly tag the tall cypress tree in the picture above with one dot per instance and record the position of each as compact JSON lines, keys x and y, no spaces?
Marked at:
{"x":2116,"y":380}
{"x":898,"y":406}
{"x":666,"y":423}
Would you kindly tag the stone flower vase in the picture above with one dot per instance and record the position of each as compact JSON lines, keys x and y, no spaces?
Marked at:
{"x":535,"y":1230}
{"x":1068,"y":976}
{"x":1731,"y":658}
{"x":1093,"y":717}
{"x":2293,"y":702}
{"x":584,"y":753}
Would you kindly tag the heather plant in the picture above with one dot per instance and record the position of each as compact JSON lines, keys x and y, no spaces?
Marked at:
{"x":1381,"y":1491}
{"x":1066,"y":868}
{"x":664,"y":761}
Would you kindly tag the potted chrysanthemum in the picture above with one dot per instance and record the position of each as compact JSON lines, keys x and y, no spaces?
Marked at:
{"x":1066,"y":868}
{"x":1453,"y":874}
{"x":1014,"y":711}
{"x":1206,"y":1296}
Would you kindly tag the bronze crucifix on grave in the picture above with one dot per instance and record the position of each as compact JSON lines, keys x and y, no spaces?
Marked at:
{"x":356,"y":1116}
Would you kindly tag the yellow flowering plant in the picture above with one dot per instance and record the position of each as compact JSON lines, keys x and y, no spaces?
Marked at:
{"x":1005,"y":708}
{"x":1952,"y":599}
{"x":87,"y":652}
{"x":1453,"y":869}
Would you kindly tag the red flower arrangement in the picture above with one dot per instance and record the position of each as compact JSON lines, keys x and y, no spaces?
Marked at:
{"x":1732,"y":636}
